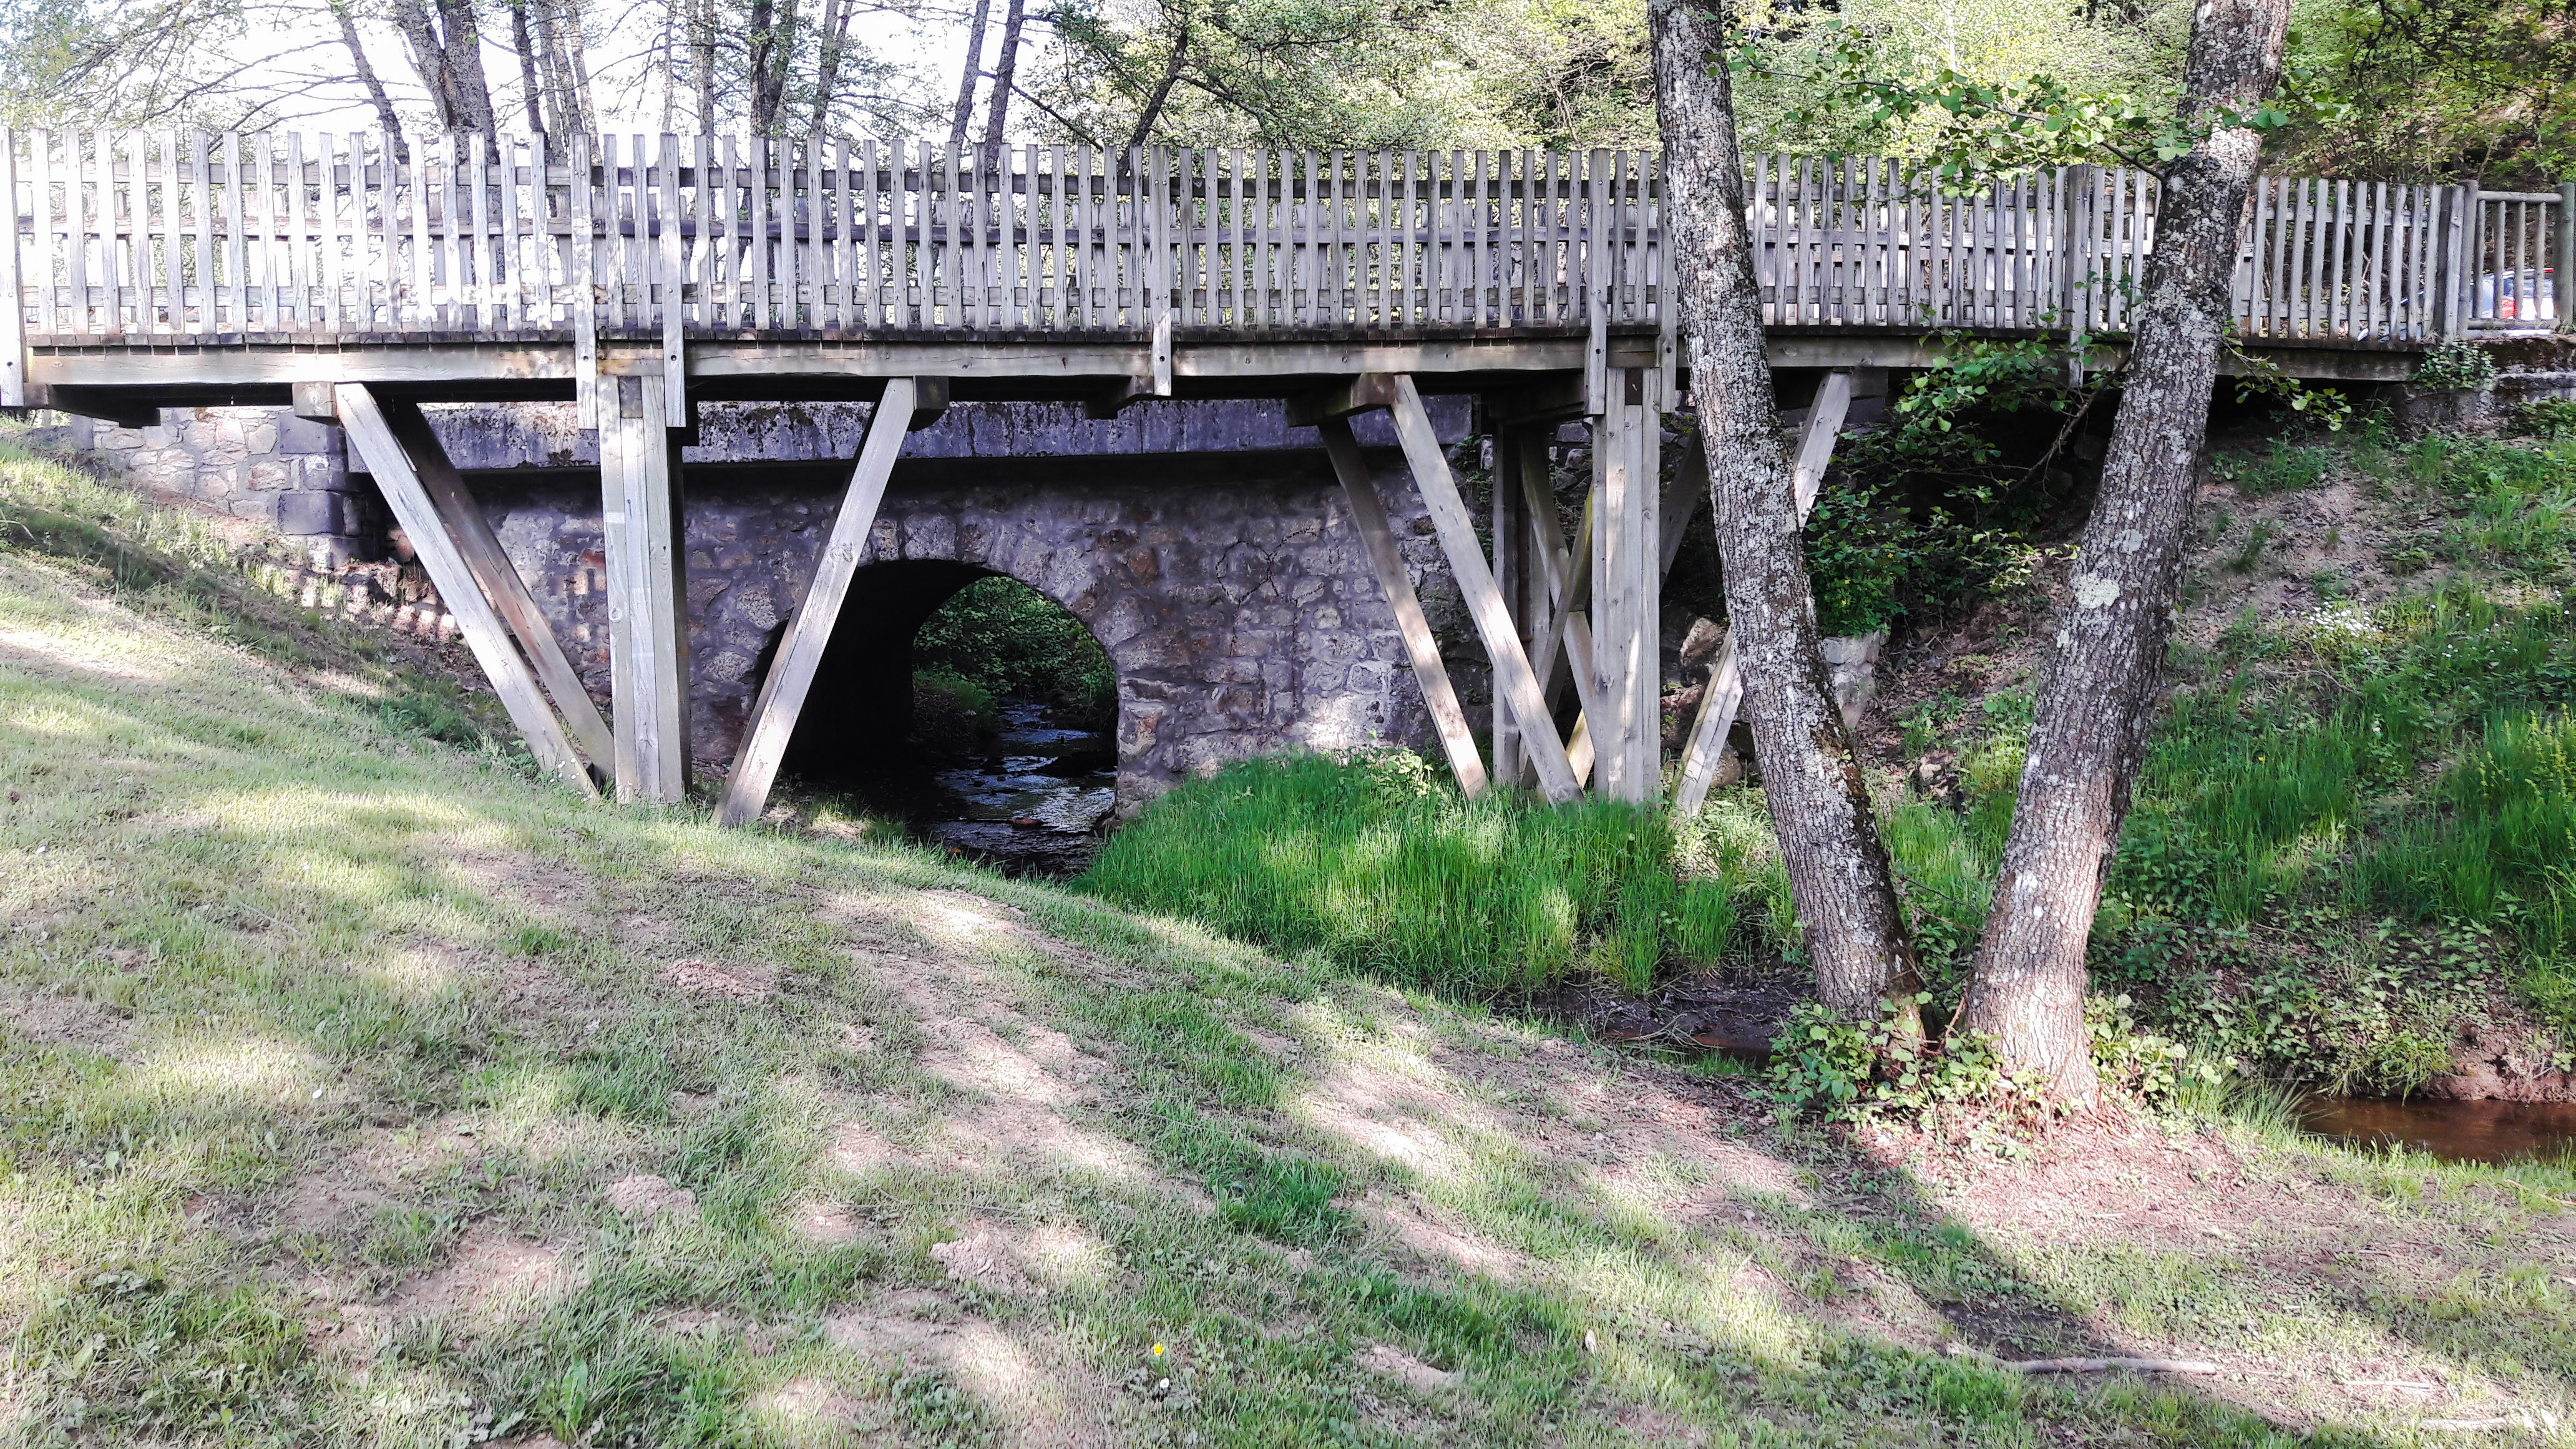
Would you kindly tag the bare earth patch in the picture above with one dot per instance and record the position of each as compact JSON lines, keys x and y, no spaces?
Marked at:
{"x":741,"y":983}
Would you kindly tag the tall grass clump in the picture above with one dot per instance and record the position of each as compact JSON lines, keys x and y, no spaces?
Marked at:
{"x":1384,"y":869}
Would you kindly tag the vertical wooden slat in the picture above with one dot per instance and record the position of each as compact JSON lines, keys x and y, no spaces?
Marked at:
{"x":13,"y":296}
{"x":759,"y":273}
{"x":585,"y":305}
{"x":77,"y":231}
{"x":138,"y":232}
{"x":667,"y":277}
{"x":40,"y":254}
{"x":236,"y":279}
{"x":327,"y":208}
{"x":174,"y":231}
{"x":868,"y":277}
{"x":510,"y":278}
{"x":111,"y":306}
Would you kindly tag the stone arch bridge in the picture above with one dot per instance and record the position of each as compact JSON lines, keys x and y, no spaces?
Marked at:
{"x":1202,"y":397}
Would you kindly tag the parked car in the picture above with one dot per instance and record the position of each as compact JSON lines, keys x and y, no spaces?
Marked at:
{"x":2528,"y":297}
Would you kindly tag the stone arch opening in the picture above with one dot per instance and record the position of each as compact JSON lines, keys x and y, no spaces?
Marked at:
{"x":971,"y":705}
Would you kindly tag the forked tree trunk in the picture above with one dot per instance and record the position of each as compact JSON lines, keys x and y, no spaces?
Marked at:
{"x":1820,"y":806}
{"x":2098,"y":695}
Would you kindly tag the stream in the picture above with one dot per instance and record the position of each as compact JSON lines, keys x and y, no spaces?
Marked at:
{"x":2484,"y":1131}
{"x":1031,"y":805}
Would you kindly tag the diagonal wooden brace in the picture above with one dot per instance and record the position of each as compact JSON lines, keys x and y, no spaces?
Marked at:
{"x":1456,"y":527}
{"x":1726,"y":676}
{"x":491,"y":566}
{"x":398,"y":478}
{"x":800,"y":653}
{"x":1377,"y":540}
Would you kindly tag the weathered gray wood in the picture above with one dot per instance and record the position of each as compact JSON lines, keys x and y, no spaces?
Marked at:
{"x":782,"y":692}
{"x":1457,"y":532}
{"x":1702,"y":753}
{"x":13,"y":316}
{"x":490,"y":564}
{"x":1627,"y":543}
{"x":647,"y":623}
{"x":1377,"y":541}
{"x":399,"y":480}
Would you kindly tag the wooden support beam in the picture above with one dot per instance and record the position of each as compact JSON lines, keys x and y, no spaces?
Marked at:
{"x":1558,"y":399}
{"x":647,"y":619}
{"x":1513,"y":677}
{"x":1627,"y":589}
{"x":490,"y":564}
{"x":800,"y":651}
{"x":108,"y":405}
{"x":396,"y":477}
{"x":312,"y":400}
{"x":1350,"y":395}
{"x":1515,"y":576}
{"x":1726,"y":676}
{"x":1114,"y":400}
{"x":929,"y":402}
{"x":1377,"y":540}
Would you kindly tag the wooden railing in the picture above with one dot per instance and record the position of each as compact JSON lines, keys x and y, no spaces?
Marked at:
{"x":145,"y":238}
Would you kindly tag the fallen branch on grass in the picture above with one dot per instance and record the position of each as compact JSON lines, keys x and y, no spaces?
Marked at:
{"x":2090,"y":1365}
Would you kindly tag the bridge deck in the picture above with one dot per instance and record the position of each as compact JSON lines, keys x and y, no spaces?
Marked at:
{"x":171,"y":260}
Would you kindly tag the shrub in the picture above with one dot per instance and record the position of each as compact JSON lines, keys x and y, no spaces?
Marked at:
{"x":951,"y":712}
{"x":2456,"y":364}
{"x":1371,"y":863}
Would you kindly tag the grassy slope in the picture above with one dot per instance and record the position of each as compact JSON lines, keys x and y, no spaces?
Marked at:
{"x":350,"y":1085}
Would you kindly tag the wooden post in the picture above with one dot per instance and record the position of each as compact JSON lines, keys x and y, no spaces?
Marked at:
{"x":1514,"y":576}
{"x":1513,"y":677}
{"x":647,"y":621}
{"x":399,"y":480}
{"x":1725,"y":676}
{"x":13,"y":321}
{"x":490,"y":564}
{"x":2562,"y":282}
{"x":1377,"y":540}
{"x":1627,"y":543}
{"x":800,"y":652}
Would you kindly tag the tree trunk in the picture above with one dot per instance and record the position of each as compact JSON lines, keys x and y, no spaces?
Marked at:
{"x":580,"y":113}
{"x":773,"y":49}
{"x":533,"y":92}
{"x":1820,"y":805}
{"x":375,"y":87}
{"x":1005,"y":71}
{"x":702,"y":45}
{"x":972,"y":72}
{"x":1162,"y":95}
{"x":2098,"y":695}
{"x":827,"y":70}
{"x":448,"y":52}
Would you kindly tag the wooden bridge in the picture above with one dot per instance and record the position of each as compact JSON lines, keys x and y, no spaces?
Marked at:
{"x":356,"y":277}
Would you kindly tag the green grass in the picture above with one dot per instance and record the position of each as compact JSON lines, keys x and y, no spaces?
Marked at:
{"x":1379,"y":869}
{"x":326,"y":1045}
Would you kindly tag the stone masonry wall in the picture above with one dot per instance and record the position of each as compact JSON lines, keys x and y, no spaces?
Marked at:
{"x":1240,"y":613}
{"x":263,"y":464}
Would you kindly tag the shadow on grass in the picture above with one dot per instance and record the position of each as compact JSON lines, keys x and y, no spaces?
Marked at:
{"x":288,"y":963}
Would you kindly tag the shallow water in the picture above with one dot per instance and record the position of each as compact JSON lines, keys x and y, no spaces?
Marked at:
{"x":2455,"y":1131}
{"x":1032,"y":807}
